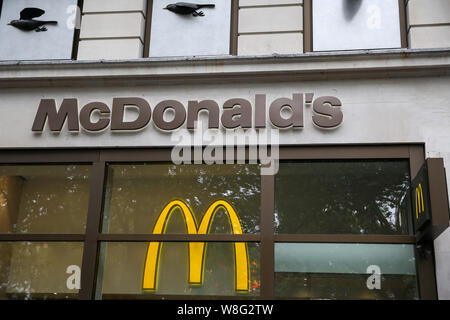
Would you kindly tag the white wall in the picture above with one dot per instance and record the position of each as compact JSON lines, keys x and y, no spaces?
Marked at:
{"x":270,"y":26}
{"x":429,"y":23}
{"x":112,"y":29}
{"x":442,"y":253}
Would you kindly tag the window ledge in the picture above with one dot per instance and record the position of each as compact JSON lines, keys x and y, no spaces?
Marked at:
{"x":309,"y":66}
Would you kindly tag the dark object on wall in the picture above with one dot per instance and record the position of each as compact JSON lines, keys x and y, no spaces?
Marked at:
{"x":26,"y":22}
{"x":188,"y":8}
{"x":351,"y":8}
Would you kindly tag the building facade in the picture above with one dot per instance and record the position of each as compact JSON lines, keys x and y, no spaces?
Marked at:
{"x":257,"y":149}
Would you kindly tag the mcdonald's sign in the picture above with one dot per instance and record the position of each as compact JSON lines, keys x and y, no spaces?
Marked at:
{"x":196,"y":249}
{"x":419,"y":201}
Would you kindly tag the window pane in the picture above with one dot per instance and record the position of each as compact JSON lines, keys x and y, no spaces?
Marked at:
{"x":127,"y":268}
{"x":355,"y":24}
{"x":357,"y":197}
{"x":44,"y":199}
{"x":16,"y":44}
{"x":42,"y":270}
{"x":185,"y":35}
{"x":138,"y":195}
{"x":345,"y":271}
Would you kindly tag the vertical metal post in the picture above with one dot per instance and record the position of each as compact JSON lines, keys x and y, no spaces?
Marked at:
{"x":90,"y":252}
{"x":267,"y":236}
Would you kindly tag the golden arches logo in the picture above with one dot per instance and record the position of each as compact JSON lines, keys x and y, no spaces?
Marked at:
{"x":197,"y":249}
{"x":419,"y":201}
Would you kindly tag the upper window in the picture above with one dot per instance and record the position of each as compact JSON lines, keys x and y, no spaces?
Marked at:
{"x":37,"y":30}
{"x":205,"y":31}
{"x":355,"y":24}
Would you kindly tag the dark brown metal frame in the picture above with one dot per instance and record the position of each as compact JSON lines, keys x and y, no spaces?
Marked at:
{"x":403,"y":24}
{"x":267,"y":238}
{"x":148,"y":29}
{"x":234,"y":29}
{"x":439,"y":222}
{"x":308,"y":25}
{"x":76,"y":35}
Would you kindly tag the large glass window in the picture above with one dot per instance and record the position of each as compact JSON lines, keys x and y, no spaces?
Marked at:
{"x":338,"y":197}
{"x":42,"y":270}
{"x":44,"y":199}
{"x":345,"y":271}
{"x":137,"y":196}
{"x":225,"y":269}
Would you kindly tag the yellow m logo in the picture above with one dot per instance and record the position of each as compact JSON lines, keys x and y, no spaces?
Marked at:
{"x":419,"y":201}
{"x":197,"y":249}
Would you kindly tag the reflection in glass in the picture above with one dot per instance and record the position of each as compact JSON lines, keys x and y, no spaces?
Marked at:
{"x":137,"y":194}
{"x":38,"y":270}
{"x":338,"y":197}
{"x":122,"y":265}
{"x":345,"y":271}
{"x":44,"y":199}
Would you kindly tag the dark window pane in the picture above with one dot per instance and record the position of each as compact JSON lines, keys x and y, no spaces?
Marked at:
{"x":40,"y":270}
{"x":338,"y":197}
{"x":345,"y":271}
{"x":137,"y":196}
{"x":44,"y":199}
{"x":126,"y":268}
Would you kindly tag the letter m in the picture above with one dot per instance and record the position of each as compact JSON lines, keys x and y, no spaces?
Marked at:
{"x":56,"y":119}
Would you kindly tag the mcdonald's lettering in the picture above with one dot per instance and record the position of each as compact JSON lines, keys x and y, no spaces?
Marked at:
{"x":197,"y":249}
{"x":419,"y":201}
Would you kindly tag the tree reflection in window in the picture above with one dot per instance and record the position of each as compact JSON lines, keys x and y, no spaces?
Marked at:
{"x":357,"y":197}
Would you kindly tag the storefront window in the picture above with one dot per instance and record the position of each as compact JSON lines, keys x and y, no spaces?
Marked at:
{"x":339,"y":197}
{"x":342,"y":229}
{"x":44,"y":199}
{"x":125,"y":268}
{"x":40,"y":270}
{"x":138,"y":195}
{"x":345,"y":271}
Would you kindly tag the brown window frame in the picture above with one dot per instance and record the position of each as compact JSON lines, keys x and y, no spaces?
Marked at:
{"x":76,"y":35}
{"x":93,"y":237}
{"x":308,"y":25}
